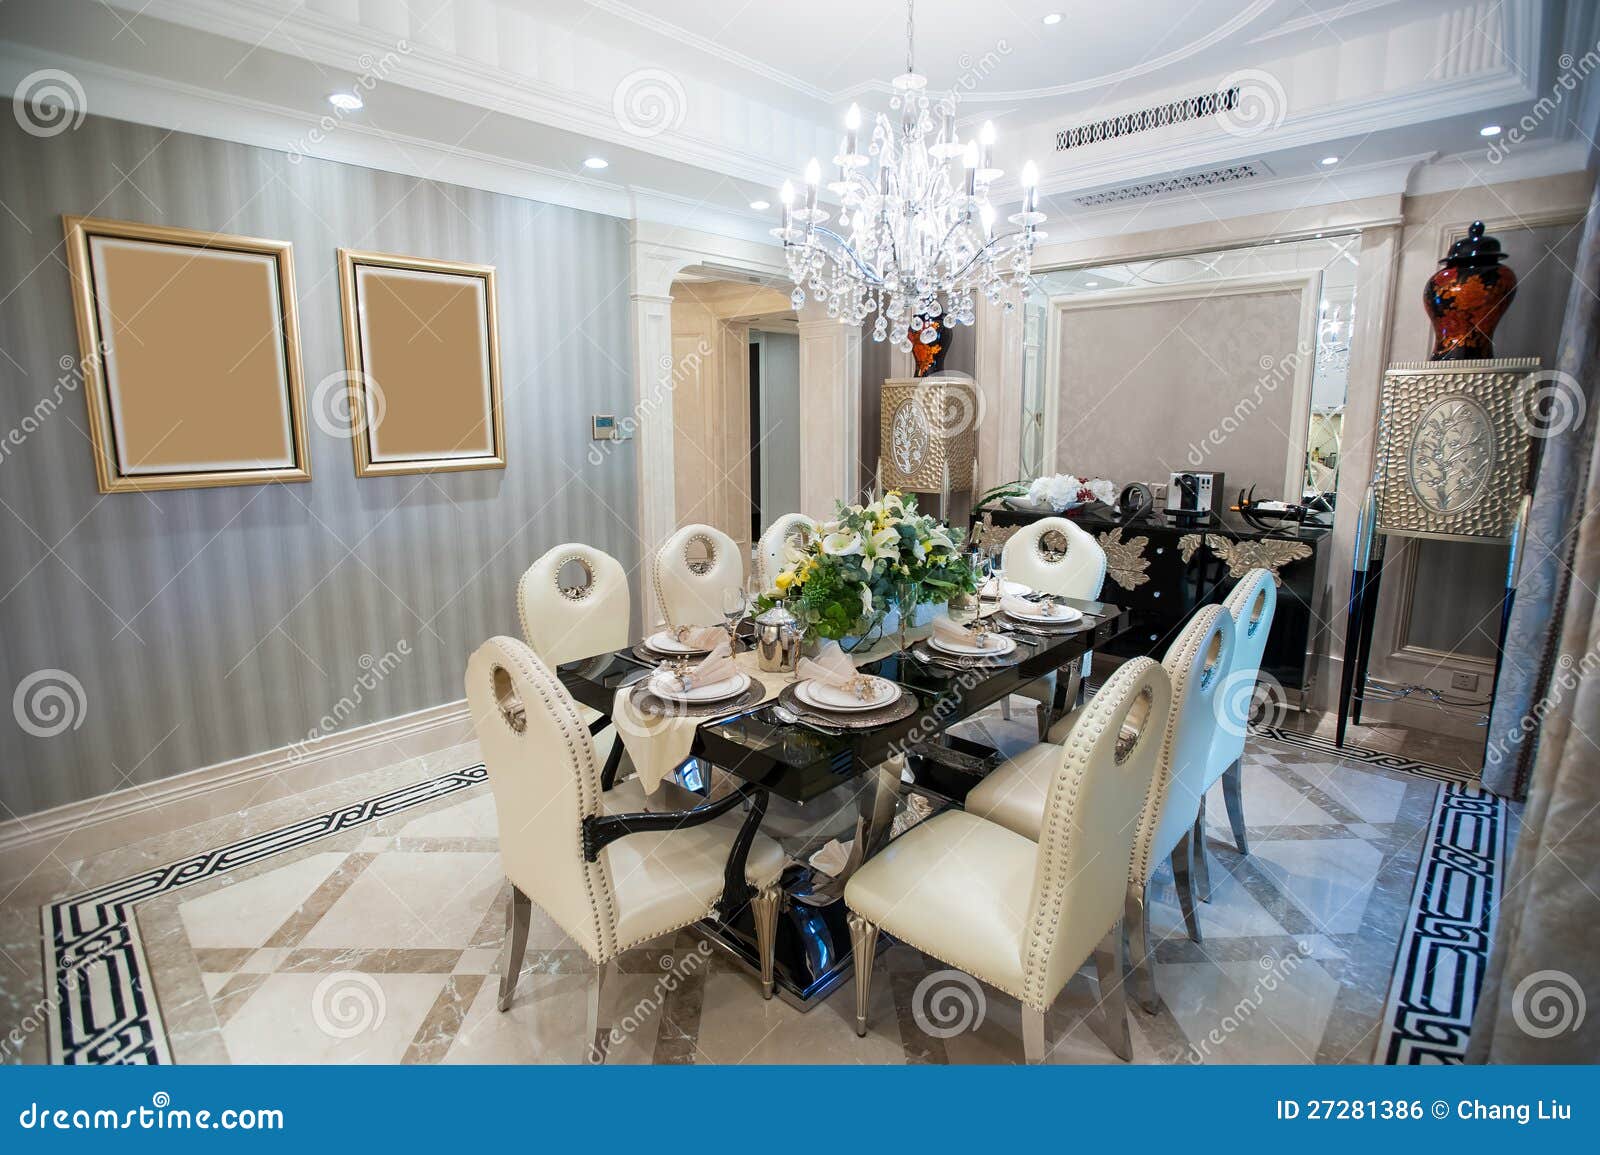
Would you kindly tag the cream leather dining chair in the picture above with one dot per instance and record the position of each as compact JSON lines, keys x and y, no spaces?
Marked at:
{"x":1024,"y":915}
{"x":689,"y":590}
{"x":1251,"y":604}
{"x":1015,"y":794}
{"x":795,"y":528}
{"x":565,"y":623}
{"x":1079,"y":571}
{"x":608,"y":874}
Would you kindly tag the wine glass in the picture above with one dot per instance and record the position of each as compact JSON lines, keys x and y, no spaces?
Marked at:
{"x":734,"y":603}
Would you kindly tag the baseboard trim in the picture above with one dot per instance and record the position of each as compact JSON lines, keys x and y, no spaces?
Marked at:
{"x":78,"y":829}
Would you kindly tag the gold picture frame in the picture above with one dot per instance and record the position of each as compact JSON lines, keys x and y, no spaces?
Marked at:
{"x":190,"y":354}
{"x":422,"y":360}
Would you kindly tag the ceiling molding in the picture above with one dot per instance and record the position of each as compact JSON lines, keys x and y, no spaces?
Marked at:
{"x":1105,"y":80}
{"x":1322,"y":20}
{"x":473,"y":81}
{"x":711,"y":48}
{"x":180,"y":107}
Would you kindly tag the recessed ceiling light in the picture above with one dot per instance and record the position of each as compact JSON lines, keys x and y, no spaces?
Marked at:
{"x":1091,"y":284}
{"x":348,"y":101}
{"x":1327,"y":160}
{"x":596,"y":162}
{"x":760,"y":206}
{"x":1053,"y":18}
{"x":1489,"y":130}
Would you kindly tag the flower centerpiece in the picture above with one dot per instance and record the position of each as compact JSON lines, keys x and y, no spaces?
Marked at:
{"x":869,"y":561}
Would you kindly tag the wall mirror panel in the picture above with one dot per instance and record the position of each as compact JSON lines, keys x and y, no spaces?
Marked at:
{"x":1232,"y":360}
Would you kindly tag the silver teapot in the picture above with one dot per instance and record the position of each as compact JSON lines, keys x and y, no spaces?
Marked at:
{"x":778,"y":636}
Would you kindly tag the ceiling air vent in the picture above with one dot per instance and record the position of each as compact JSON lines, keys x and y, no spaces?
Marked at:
{"x":1154,"y":188}
{"x":1145,"y":119}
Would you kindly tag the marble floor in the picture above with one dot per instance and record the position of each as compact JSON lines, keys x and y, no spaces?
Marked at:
{"x":380,"y":944}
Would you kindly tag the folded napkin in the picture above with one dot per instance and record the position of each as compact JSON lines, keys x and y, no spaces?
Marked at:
{"x":714,"y":667}
{"x":1025,"y":608}
{"x":699,"y":637}
{"x":955,"y":634}
{"x":832,"y":667}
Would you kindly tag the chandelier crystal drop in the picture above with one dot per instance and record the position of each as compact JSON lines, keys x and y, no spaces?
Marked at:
{"x":915,"y":238}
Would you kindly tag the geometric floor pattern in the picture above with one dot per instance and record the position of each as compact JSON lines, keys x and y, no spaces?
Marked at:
{"x":379,"y":944}
{"x":1449,"y":929}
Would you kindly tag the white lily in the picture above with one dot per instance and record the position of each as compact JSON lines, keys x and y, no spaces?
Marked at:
{"x":841,"y":544}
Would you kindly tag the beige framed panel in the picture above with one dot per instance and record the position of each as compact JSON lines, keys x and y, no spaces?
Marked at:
{"x":422,"y":354}
{"x":190,"y":354}
{"x":1290,"y":375}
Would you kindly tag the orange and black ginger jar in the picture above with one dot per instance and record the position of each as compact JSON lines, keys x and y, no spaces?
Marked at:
{"x":1467,"y":297}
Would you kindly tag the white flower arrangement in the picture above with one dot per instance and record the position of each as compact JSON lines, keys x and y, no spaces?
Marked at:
{"x":1062,"y":491}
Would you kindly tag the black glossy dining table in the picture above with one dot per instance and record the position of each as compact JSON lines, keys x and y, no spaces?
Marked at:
{"x":809,"y":766}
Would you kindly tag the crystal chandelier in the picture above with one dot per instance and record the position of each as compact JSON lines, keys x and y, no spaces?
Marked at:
{"x":915,"y":239}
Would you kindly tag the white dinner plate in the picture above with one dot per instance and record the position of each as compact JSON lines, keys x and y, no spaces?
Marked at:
{"x":665,"y":685}
{"x":999,"y":647}
{"x":825,"y":697}
{"x":1064,"y":616}
{"x":664,"y":643}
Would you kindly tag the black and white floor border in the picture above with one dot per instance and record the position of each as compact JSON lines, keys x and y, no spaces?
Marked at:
{"x":1353,"y":753}
{"x":1444,"y":947}
{"x":94,"y":966}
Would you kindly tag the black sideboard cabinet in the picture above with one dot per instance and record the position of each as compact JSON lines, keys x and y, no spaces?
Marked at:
{"x":1163,"y":571}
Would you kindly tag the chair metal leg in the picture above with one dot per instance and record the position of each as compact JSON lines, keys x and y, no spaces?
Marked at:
{"x":608,"y":773}
{"x":764,"y":907}
{"x":1046,"y":718}
{"x":592,"y":1018}
{"x":1033,"y":1036}
{"x":1108,"y":969}
{"x":864,"y":946}
{"x":1005,"y":707}
{"x":518,"y":910}
{"x":1183,"y":879}
{"x":1136,"y":925}
{"x":1233,"y":798}
{"x":1202,"y":860}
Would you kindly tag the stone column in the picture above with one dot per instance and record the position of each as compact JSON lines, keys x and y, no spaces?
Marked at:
{"x":830,"y":411}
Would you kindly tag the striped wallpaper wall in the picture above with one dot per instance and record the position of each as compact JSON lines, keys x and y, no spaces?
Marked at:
{"x":203,"y":625}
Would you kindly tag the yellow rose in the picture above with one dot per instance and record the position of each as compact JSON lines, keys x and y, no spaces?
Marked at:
{"x":785,"y":580}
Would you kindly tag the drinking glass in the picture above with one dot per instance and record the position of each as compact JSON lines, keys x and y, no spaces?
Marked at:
{"x":734,"y":603}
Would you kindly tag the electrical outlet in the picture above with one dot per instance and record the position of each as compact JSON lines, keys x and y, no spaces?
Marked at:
{"x":1460,"y":680}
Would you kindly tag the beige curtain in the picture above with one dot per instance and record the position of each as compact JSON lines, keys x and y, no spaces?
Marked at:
{"x":1541,"y":996}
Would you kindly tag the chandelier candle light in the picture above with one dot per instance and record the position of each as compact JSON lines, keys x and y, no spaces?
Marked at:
{"x":915,"y":240}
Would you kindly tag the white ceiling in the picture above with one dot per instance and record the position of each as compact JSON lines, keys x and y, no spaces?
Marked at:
{"x":513,"y":94}
{"x":838,"y":49}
